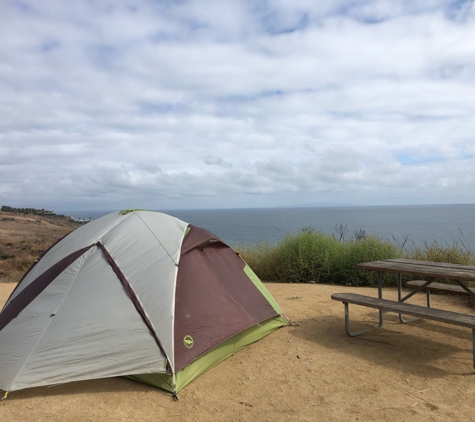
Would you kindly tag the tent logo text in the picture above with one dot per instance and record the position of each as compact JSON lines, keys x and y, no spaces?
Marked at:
{"x":188,"y":341}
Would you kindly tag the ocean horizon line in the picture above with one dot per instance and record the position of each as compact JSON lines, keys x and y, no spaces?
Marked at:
{"x":329,"y":205}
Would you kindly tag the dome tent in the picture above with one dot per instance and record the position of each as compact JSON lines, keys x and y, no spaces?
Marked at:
{"x":135,"y":293}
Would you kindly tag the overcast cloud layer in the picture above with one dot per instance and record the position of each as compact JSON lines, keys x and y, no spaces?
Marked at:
{"x":216,"y":104}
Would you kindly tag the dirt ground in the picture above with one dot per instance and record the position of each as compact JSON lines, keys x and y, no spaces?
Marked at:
{"x":308,"y":372}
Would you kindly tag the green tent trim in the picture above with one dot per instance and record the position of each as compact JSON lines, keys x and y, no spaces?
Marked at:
{"x":212,"y":357}
{"x":258,"y":283}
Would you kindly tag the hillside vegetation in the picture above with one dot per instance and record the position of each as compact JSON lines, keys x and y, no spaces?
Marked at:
{"x":314,"y":257}
{"x":25,"y":236}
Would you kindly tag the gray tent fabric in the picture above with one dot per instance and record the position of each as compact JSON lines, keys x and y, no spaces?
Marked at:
{"x":45,"y":344}
{"x":102,"y":303}
{"x":70,"y":342}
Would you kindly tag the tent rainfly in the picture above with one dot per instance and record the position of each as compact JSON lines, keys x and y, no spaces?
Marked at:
{"x":135,"y":293}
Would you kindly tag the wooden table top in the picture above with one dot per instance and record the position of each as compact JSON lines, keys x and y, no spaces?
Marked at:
{"x":422,"y":268}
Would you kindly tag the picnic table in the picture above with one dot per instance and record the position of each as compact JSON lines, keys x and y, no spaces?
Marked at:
{"x":461,"y":275}
{"x":430,"y":271}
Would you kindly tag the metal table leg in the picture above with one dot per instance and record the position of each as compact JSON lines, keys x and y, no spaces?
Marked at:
{"x":380,"y":295}
{"x":400,"y":299}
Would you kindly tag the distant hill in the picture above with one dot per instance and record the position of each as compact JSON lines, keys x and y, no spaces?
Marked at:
{"x":24,"y":237}
{"x":34,"y":211}
{"x":321,"y":205}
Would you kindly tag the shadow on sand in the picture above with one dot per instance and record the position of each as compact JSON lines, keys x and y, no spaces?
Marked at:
{"x":419,"y":347}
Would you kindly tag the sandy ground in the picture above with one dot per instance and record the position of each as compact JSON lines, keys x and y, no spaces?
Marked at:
{"x":309,"y":372}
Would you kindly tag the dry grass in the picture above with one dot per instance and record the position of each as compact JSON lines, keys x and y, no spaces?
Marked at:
{"x":23,"y":238}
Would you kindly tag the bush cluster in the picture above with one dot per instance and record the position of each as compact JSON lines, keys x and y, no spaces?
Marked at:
{"x":314,"y":257}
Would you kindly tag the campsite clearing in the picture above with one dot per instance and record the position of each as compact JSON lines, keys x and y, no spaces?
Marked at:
{"x":309,"y":372}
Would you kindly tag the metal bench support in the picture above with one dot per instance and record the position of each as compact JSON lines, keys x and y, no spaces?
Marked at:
{"x":357,"y":333}
{"x":402,"y":299}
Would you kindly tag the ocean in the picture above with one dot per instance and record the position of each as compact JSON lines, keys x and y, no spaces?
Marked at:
{"x":416,"y":224}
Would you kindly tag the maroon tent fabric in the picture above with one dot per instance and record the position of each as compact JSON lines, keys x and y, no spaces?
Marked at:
{"x":215,"y":299}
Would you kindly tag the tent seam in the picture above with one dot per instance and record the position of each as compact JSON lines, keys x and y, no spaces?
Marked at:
{"x":174,"y":304}
{"x":135,"y":300}
{"x":161,"y":244}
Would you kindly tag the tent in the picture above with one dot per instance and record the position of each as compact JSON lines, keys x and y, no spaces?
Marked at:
{"x":135,"y":293}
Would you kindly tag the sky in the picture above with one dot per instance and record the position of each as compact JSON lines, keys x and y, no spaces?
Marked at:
{"x":163,"y":104}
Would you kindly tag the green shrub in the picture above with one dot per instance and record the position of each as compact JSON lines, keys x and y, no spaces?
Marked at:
{"x":307,"y":257}
{"x":434,"y":251}
{"x":370,"y":248}
{"x":313,"y":257}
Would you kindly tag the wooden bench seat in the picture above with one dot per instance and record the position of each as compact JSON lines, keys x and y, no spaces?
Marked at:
{"x":385,"y":305}
{"x":440,"y":287}
{"x":407,"y":309}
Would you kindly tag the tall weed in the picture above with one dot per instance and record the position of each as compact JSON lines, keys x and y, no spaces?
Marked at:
{"x":455,"y":253}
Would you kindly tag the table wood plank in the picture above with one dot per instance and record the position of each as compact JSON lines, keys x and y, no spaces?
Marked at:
{"x":433,"y":264}
{"x":422,"y":268}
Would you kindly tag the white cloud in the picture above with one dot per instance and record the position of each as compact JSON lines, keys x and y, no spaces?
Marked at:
{"x":236,"y":103}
